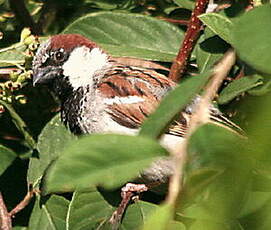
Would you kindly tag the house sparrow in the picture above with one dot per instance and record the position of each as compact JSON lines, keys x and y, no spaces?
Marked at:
{"x":100,"y":95}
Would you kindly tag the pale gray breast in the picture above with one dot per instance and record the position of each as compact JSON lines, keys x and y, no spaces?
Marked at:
{"x":94,"y":117}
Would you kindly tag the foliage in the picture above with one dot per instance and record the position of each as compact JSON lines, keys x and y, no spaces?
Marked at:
{"x":226,"y":183}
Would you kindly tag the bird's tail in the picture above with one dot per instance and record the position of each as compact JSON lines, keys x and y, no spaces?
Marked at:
{"x":221,"y":120}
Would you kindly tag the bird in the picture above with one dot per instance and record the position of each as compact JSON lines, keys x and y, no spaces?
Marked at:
{"x":101,"y":95}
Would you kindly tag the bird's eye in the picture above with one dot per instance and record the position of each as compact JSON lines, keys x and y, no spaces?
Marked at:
{"x":59,"y":56}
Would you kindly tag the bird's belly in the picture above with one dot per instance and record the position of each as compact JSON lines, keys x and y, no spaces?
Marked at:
{"x":102,"y":123}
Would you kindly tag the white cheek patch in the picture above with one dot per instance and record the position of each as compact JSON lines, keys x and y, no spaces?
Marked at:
{"x":124,"y":100}
{"x":83,"y":65}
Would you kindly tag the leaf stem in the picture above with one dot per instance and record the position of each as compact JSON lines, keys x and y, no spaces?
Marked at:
{"x":23,"y":203}
{"x":191,"y":36}
{"x":118,"y":214}
{"x":20,"y":124}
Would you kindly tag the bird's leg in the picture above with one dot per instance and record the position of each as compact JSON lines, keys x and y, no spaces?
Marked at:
{"x":129,"y":191}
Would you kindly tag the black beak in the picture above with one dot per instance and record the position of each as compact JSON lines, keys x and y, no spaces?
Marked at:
{"x":45,"y":74}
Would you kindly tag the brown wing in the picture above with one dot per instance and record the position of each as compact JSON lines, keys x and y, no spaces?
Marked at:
{"x":135,"y":93}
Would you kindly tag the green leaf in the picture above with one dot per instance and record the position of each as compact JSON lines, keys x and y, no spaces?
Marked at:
{"x":211,"y":145}
{"x":20,"y":124}
{"x":49,"y":214}
{"x":7,"y":156}
{"x":172,"y":104}
{"x":19,"y":228}
{"x":255,"y":201}
{"x":260,"y":219}
{"x":261,"y":181}
{"x":252,"y":38}
{"x":175,"y":225}
{"x":261,"y":89}
{"x":211,"y":225}
{"x":137,"y":214}
{"x":170,"y":9}
{"x":198,"y":181}
{"x":209,"y":52}
{"x":219,"y":24}
{"x":108,"y":160}
{"x":238,"y":87}
{"x":258,"y":133}
{"x":130,"y":35}
{"x":52,"y":140}
{"x":224,"y":190}
{"x":160,"y":219}
{"x":12,"y":55}
{"x":106,"y":4}
{"x":188,"y":4}
{"x":88,"y":210}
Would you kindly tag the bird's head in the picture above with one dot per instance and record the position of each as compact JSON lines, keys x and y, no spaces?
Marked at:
{"x":69,"y":58}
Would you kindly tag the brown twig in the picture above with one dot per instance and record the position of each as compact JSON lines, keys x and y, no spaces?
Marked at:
{"x":23,"y":16}
{"x":175,"y":21}
{"x":201,"y":116}
{"x":129,"y":191}
{"x":23,"y":203}
{"x":117,"y":215}
{"x":5,"y":220}
{"x":191,"y":36}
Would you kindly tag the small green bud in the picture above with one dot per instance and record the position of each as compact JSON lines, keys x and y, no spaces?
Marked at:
{"x":29,"y":74}
{"x":9,"y":99}
{"x":21,"y":99}
{"x":21,"y":78}
{"x":2,"y":19}
{"x":28,"y":62}
{"x":26,"y":32}
{"x":24,"y":76}
{"x":14,"y":75}
{"x":29,"y":40}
